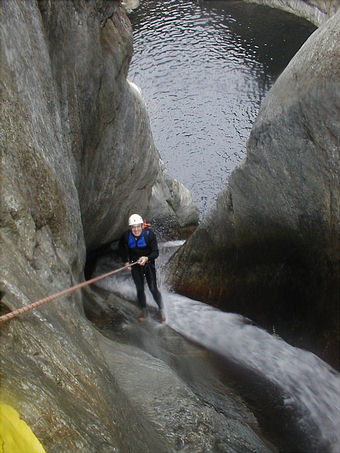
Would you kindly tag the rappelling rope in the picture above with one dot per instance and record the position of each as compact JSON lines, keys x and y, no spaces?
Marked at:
{"x":36,"y":304}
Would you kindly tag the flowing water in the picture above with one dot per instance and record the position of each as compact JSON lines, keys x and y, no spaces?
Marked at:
{"x":204,"y":68}
{"x":281,"y":382}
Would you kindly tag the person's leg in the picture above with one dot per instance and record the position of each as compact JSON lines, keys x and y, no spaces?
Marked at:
{"x":138,"y":278}
{"x":150,"y":274}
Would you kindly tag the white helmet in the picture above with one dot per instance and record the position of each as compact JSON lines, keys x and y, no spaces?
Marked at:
{"x":135,"y":219}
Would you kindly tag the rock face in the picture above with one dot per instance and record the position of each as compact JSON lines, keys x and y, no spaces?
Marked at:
{"x":316,"y":11}
{"x":269,"y":248}
{"x":77,"y":158}
{"x":171,"y":206}
{"x":104,"y":116}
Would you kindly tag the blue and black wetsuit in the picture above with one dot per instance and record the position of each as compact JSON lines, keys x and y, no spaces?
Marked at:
{"x":131,"y":248}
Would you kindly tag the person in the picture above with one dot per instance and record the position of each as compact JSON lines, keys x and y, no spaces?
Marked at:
{"x":139,"y":244}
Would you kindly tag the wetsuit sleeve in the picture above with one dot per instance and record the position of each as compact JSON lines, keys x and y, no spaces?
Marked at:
{"x":154,"y":247}
{"x":123,"y":249}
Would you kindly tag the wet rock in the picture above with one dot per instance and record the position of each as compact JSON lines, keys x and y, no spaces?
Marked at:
{"x":130,"y":5}
{"x":269,"y":248}
{"x":316,"y":11}
{"x":171,"y":208}
{"x":191,"y":412}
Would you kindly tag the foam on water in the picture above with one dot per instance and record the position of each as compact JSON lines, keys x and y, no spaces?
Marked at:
{"x":308,"y":382}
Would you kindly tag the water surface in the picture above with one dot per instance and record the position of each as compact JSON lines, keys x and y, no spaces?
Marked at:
{"x":204,"y":68}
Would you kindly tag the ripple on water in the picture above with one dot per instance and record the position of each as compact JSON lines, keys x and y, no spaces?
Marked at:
{"x":204,"y":68}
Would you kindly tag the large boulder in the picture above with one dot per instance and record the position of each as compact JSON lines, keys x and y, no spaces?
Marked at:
{"x":316,"y":11}
{"x":269,"y":248}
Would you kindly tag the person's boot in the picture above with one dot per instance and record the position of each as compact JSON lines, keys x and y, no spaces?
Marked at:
{"x":143,"y":316}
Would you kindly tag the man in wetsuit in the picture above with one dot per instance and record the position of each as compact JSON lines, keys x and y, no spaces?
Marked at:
{"x":140,"y":245}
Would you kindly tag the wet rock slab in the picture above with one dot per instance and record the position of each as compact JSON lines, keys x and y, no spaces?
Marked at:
{"x":170,"y":384}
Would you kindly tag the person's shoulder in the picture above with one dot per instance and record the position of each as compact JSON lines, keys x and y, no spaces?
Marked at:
{"x":125,"y":235}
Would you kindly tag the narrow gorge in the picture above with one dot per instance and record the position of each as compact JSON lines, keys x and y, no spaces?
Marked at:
{"x":77,"y":157}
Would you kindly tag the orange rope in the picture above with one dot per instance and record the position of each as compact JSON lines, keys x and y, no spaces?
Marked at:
{"x":36,"y":304}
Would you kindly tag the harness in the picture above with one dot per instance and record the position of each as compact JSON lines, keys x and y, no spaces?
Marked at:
{"x":141,"y":243}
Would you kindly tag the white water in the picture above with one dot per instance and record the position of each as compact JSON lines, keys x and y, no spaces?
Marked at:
{"x":307,"y":382}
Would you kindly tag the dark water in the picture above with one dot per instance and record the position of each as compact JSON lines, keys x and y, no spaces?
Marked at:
{"x":204,"y":68}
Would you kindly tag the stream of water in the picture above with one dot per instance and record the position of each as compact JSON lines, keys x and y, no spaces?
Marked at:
{"x":309,"y":388}
{"x":307,"y":383}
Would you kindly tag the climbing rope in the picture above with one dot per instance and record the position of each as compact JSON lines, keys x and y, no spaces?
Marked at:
{"x":36,"y":304}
